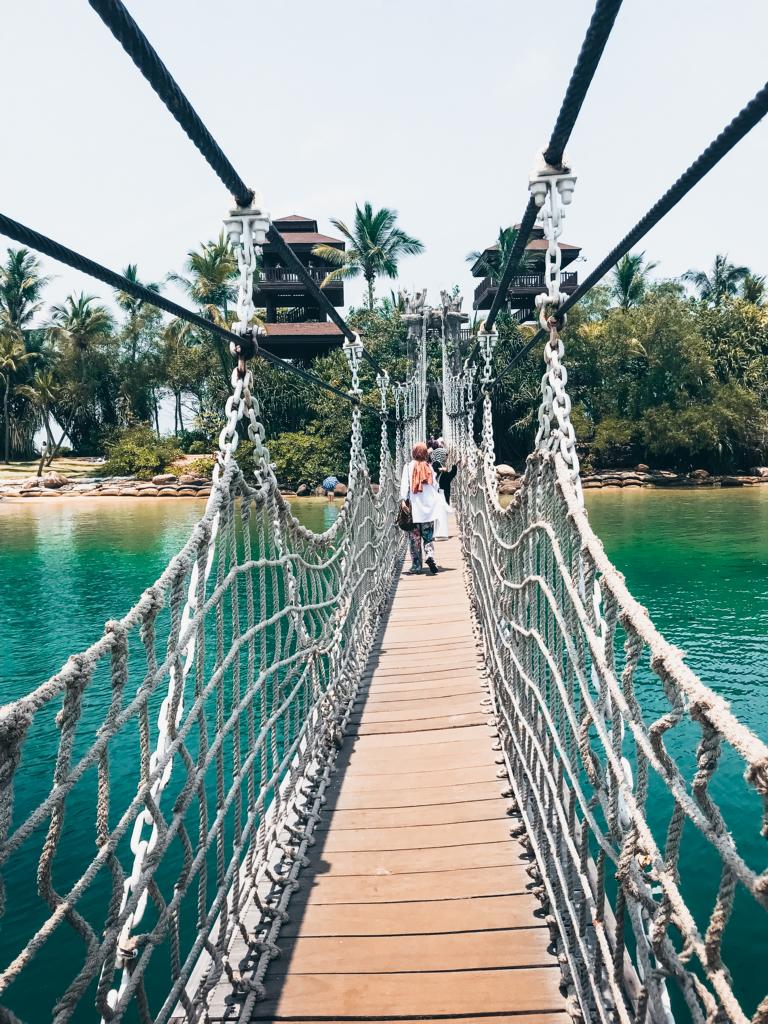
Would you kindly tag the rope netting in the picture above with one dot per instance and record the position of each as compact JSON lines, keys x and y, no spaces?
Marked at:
{"x":189,"y":744}
{"x":621,"y":760}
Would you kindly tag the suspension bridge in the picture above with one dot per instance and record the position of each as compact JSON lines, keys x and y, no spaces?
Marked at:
{"x":330,"y":824}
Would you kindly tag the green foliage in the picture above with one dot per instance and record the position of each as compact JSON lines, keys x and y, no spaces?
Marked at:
{"x":138,"y":451}
{"x":306,"y":458}
{"x":201,"y":467}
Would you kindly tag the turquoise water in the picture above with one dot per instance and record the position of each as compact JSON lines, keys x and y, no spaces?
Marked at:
{"x":696,"y":559}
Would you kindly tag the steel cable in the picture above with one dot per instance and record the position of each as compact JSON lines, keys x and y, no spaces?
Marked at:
{"x":733,"y":133}
{"x":118,"y":20}
{"x":592,"y":48}
{"x":35,"y":240}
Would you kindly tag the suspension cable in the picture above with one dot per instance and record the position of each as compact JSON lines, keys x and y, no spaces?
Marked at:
{"x":118,"y":20}
{"x":28,"y":236}
{"x":592,"y":48}
{"x":733,"y":133}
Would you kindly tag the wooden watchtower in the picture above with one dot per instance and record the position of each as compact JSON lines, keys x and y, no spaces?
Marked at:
{"x":524,"y":286}
{"x":296,"y":327}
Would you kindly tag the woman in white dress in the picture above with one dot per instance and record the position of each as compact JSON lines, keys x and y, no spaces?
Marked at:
{"x":417,"y":486}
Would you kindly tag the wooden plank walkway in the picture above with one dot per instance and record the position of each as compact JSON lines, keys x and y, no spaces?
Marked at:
{"x":416,"y":902}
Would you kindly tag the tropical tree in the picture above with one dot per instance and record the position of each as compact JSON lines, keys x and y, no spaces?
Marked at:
{"x":21,"y":287}
{"x":81,"y":331}
{"x":375,"y":245}
{"x":43,"y":392}
{"x":13,"y":356}
{"x":753,"y":288}
{"x":494,"y":259}
{"x":722,"y":281}
{"x":630,"y":279}
{"x":138,"y":338}
{"x":208,"y":280}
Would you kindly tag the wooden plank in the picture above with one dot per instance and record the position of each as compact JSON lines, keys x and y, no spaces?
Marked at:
{"x":416,"y":837}
{"x":413,"y":710}
{"x":422,"y":994}
{"x":419,"y":759}
{"x":383,"y":696}
{"x":387,"y":954}
{"x":524,"y":1018}
{"x":457,"y":883}
{"x":445,"y":765}
{"x":377,"y":728}
{"x":400,"y":862}
{"x":426,"y":917}
{"x":397,"y":817}
{"x":355,"y":797}
{"x":481,"y":734}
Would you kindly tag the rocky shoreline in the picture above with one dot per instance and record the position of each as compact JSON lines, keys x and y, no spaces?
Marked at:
{"x":642,"y":476}
{"x":165,"y":485}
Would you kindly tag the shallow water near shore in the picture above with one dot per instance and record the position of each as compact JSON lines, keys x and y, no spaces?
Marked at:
{"x":697,"y":560}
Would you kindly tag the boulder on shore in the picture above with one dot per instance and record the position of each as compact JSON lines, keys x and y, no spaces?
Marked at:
{"x":503,"y":470}
{"x":164,"y":478}
{"x":303,"y":491}
{"x":761,"y":471}
{"x":54,"y":480}
{"x":191,"y":478}
{"x":731,"y":481}
{"x":340,"y":490}
{"x":699,"y":474}
{"x":642,"y":468}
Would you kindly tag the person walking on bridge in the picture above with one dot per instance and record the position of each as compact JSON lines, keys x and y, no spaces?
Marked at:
{"x":418,"y":488}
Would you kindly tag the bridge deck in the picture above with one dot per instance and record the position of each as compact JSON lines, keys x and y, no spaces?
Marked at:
{"x":416,"y":902}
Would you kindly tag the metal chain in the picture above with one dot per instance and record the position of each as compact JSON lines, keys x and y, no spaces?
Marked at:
{"x":552,"y":192}
{"x":487,"y":342}
{"x":382,"y":382}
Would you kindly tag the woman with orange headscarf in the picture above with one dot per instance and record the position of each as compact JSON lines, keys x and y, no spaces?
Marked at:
{"x":418,"y":488}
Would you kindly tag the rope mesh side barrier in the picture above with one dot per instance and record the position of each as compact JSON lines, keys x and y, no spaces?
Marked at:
{"x":601,"y":721}
{"x":220,"y":715}
{"x":618,"y":754}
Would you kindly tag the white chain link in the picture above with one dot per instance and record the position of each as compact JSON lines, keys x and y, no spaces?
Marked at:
{"x":552,"y":191}
{"x":487,"y":342}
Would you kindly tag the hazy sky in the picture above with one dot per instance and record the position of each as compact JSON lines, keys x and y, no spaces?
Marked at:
{"x":433,"y":108}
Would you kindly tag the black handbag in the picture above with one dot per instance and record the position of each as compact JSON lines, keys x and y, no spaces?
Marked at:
{"x":403,"y":518}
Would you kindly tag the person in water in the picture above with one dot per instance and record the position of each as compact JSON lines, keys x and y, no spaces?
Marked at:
{"x":418,"y":487}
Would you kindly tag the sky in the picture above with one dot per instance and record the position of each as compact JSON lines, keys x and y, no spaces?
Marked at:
{"x":432,"y":107}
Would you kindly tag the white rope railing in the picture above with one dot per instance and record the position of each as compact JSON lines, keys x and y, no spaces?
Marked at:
{"x":211,"y":703}
{"x":606,"y":732}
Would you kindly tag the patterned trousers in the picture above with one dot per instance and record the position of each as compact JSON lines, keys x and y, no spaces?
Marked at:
{"x":421,"y":532}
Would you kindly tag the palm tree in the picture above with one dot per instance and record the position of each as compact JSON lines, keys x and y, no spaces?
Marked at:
{"x":630,"y":279}
{"x":13,"y":355}
{"x":722,"y":281}
{"x":79,"y":330}
{"x":375,"y":246}
{"x":80,"y":327}
{"x":210,"y":273}
{"x":753,"y":288}
{"x":21,"y":285}
{"x":495,"y":259}
{"x":136,"y":309}
{"x":43,"y":391}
